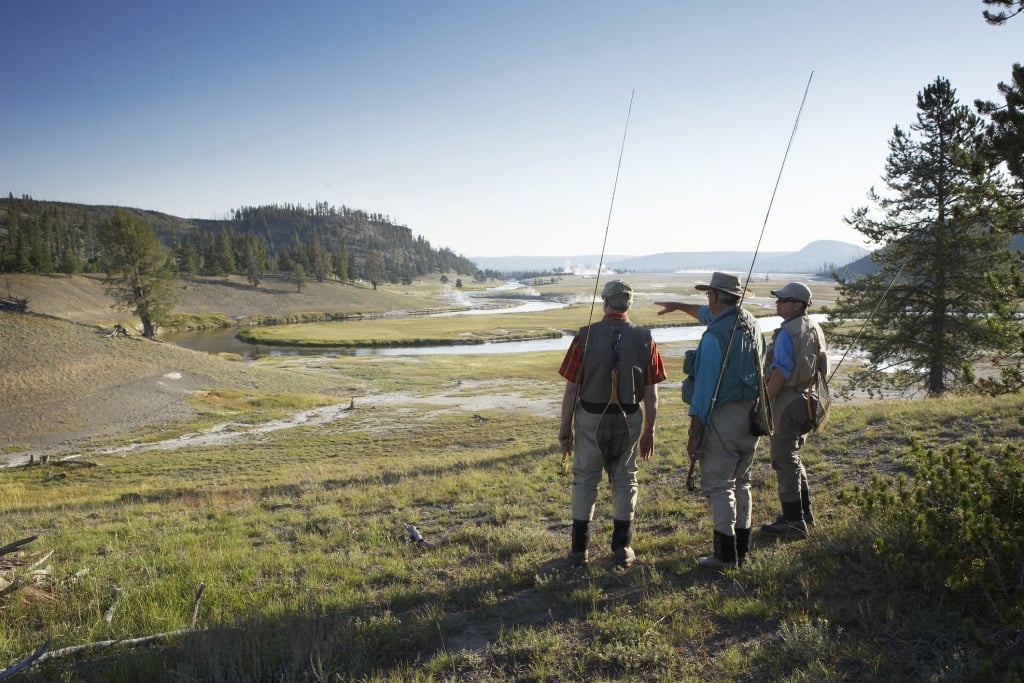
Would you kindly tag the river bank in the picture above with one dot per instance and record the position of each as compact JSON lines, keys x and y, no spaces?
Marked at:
{"x":64,"y":383}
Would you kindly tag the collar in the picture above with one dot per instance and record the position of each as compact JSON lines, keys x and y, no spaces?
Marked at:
{"x":620,"y":315}
{"x":802,"y":314}
{"x":731,"y":310}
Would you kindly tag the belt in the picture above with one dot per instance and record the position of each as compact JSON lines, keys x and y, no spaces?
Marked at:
{"x":598,"y":408}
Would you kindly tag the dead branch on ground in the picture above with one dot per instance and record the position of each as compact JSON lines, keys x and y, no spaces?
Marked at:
{"x":10,"y":547}
{"x":27,"y":661}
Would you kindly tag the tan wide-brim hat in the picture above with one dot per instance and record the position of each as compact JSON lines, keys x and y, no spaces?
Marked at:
{"x":724,"y":282}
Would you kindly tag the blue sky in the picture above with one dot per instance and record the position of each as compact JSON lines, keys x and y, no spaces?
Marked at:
{"x":492,"y":128}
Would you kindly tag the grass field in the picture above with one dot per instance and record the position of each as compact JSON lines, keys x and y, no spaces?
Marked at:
{"x":284,"y":554}
{"x":299,"y":539}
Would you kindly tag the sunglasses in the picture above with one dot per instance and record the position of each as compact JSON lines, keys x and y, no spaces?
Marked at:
{"x":787,"y":301}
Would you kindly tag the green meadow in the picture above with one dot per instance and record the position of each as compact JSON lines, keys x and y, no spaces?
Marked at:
{"x":285,"y":555}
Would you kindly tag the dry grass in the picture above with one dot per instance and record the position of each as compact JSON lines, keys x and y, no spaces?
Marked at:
{"x":63,"y":384}
{"x":81,"y":298}
{"x":299,"y":534}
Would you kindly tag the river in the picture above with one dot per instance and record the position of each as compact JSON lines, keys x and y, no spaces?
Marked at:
{"x":225,"y":341}
{"x":479,"y":303}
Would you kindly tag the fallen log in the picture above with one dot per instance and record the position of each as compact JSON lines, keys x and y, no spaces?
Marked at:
{"x":19,"y":665}
{"x":129,"y":642}
{"x":102,"y":644}
{"x":10,"y":547}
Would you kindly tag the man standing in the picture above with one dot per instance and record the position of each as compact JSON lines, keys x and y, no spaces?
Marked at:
{"x":726,"y":377}
{"x":797,"y":351}
{"x":609,"y":408}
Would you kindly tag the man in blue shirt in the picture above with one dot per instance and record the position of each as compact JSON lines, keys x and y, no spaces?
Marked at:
{"x":797,"y":352}
{"x":726,"y":378}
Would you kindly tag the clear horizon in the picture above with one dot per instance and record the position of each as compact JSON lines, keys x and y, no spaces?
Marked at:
{"x":488,"y":128}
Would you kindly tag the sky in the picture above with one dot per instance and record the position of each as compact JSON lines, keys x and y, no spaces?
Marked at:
{"x":490,"y":127}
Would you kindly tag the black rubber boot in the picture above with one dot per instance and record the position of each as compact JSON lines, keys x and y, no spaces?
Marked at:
{"x":622,"y":534}
{"x":578,"y":555}
{"x":791,"y":523}
{"x":622,"y":541}
{"x":725,"y":553}
{"x":742,"y":545}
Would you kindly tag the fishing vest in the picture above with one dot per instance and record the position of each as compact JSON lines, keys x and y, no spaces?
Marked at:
{"x":808,"y":345}
{"x":614,"y":343}
{"x":741,"y":378}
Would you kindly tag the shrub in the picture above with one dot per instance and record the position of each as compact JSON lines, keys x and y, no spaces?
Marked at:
{"x":956,"y":527}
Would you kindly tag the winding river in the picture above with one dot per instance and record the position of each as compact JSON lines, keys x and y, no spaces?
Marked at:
{"x":225,"y":341}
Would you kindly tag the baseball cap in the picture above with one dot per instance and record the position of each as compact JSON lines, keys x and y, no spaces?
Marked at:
{"x":794,"y":290}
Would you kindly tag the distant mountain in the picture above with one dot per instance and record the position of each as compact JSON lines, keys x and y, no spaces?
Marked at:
{"x":815,"y":257}
{"x":865,"y":266}
{"x":527,"y":264}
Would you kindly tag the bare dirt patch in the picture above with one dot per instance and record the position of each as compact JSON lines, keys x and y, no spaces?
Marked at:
{"x":68,"y":387}
{"x":63,"y":383}
{"x":83,"y":298}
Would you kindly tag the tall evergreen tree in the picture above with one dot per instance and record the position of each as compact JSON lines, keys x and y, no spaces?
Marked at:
{"x":340,"y":263}
{"x":140,"y":277}
{"x":9,"y":254}
{"x":1005,"y":131}
{"x":224,"y":254}
{"x":320,"y":259}
{"x":374,"y":267}
{"x":299,"y":273}
{"x":945,"y":292}
{"x":252,"y":264}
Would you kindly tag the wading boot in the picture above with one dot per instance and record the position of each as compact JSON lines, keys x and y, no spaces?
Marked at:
{"x":622,"y":538}
{"x":742,"y":544}
{"x":579,"y":555}
{"x":790,"y":523}
{"x":725,"y":553}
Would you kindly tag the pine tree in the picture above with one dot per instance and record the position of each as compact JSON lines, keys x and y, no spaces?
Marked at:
{"x":340,"y":262}
{"x":224,"y":254}
{"x":947,"y":281}
{"x":374,"y":267}
{"x":252,"y":264}
{"x":1013,"y":8}
{"x":139,"y":270}
{"x":1005,"y":132}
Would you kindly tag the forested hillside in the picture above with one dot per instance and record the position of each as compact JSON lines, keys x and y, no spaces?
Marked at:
{"x":319,"y":241}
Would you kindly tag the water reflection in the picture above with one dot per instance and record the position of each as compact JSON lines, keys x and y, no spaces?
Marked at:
{"x":225,"y":341}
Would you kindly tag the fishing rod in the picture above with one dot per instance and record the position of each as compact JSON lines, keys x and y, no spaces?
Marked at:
{"x":600,"y":266}
{"x":690,"y":483}
{"x":778,"y":179}
{"x":864,"y":325}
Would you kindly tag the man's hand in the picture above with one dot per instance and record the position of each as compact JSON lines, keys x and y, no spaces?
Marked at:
{"x":565,"y":441}
{"x":693,"y":444}
{"x":666,"y":306}
{"x":646,"y":445}
{"x":670,"y":306}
